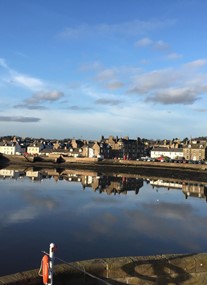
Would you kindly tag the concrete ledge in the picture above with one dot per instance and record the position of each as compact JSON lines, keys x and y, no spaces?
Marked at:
{"x":162,"y":270}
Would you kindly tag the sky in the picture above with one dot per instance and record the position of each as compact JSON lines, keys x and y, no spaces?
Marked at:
{"x":87,"y":68}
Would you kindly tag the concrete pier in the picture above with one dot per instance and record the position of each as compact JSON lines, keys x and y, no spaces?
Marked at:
{"x":161,"y":270}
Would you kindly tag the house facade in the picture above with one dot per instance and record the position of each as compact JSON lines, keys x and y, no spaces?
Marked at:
{"x":100,"y":149}
{"x":124,"y":148}
{"x":35,"y":148}
{"x":172,"y":153}
{"x":10,"y":148}
{"x":195,"y":151}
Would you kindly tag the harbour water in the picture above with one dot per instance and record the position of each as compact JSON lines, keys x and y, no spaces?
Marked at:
{"x":92,"y":215}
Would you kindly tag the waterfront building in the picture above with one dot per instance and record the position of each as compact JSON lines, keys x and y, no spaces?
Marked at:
{"x":11,"y":148}
{"x":172,"y":153}
{"x":35,"y":148}
{"x":195,"y":151}
{"x":102,"y":149}
{"x":124,"y":148}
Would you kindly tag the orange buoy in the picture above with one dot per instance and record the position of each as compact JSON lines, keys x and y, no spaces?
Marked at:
{"x":45,"y":269}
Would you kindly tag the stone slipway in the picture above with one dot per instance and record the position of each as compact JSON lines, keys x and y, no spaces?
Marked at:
{"x":162,"y":270}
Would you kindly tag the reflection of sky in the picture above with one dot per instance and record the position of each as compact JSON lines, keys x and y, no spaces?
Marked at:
{"x":86,"y":224}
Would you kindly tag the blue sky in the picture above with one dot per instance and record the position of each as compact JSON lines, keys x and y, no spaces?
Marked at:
{"x":86,"y":68}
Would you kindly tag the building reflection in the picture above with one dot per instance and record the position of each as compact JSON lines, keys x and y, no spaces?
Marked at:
{"x":11,"y":174}
{"x":166,"y":184}
{"x":105,"y":184}
{"x":88,"y":179}
{"x":117,"y":185}
{"x":189,"y":189}
{"x":195,"y":190}
{"x":113,"y":184}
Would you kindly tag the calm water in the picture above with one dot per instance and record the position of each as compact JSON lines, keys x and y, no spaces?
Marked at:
{"x":89,"y":215}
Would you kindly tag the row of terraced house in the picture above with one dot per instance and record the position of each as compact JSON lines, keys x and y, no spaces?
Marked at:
{"x":111,"y":147}
{"x":190,"y":150}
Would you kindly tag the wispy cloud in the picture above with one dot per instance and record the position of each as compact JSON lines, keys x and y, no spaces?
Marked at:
{"x":183,"y":85}
{"x":79,"y":108}
{"x":22,"y":80}
{"x":22,"y":55}
{"x":26,"y":81}
{"x":30,"y":107}
{"x":175,"y":96}
{"x":144,"y":42}
{"x":201,"y":110}
{"x":159,"y":45}
{"x":3,"y":63}
{"x":150,"y":81}
{"x":196,"y":63}
{"x":114,"y":78}
{"x":132,"y":28}
{"x":174,"y":55}
{"x":44,"y":97}
{"x":111,"y":102}
{"x":113,"y":85}
{"x":106,"y":74}
{"x":28,"y":213}
{"x":19,"y":119}
{"x":92,"y":66}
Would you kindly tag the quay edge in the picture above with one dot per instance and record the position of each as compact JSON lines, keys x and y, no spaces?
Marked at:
{"x":160,"y":269}
{"x":191,"y":172}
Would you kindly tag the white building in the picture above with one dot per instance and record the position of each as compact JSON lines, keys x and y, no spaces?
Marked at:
{"x":35,"y":148}
{"x":172,"y":153}
{"x":10,"y":148}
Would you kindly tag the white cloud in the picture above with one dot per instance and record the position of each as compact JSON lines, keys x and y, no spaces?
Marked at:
{"x":39,"y":97}
{"x":22,"y":80}
{"x":183,"y":95}
{"x":31,"y":83}
{"x":156,"y":79}
{"x":108,"y":101}
{"x":196,"y":63}
{"x":159,"y":45}
{"x":20,"y":119}
{"x":144,"y":42}
{"x":183,"y":85}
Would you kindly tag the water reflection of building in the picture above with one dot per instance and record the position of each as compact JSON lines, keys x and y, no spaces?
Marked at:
{"x":34,"y":175}
{"x":167,"y":184}
{"x":119,"y":185}
{"x":195,"y":190}
{"x":9,"y":173}
{"x":105,"y":184}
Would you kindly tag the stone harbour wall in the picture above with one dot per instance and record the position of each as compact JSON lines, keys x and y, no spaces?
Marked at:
{"x":162,"y":270}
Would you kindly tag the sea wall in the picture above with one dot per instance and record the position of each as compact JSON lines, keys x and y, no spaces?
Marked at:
{"x":162,"y":270}
{"x":18,"y":159}
{"x":185,"y":172}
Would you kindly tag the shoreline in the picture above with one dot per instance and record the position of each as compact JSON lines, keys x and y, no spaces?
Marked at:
{"x":190,"y":172}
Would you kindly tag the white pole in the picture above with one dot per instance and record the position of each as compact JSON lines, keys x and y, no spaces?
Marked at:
{"x":51,"y":263}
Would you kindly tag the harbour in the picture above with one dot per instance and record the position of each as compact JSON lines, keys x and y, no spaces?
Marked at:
{"x":86,"y":212}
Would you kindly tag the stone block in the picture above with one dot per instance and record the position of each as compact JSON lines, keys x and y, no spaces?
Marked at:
{"x":201,"y":262}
